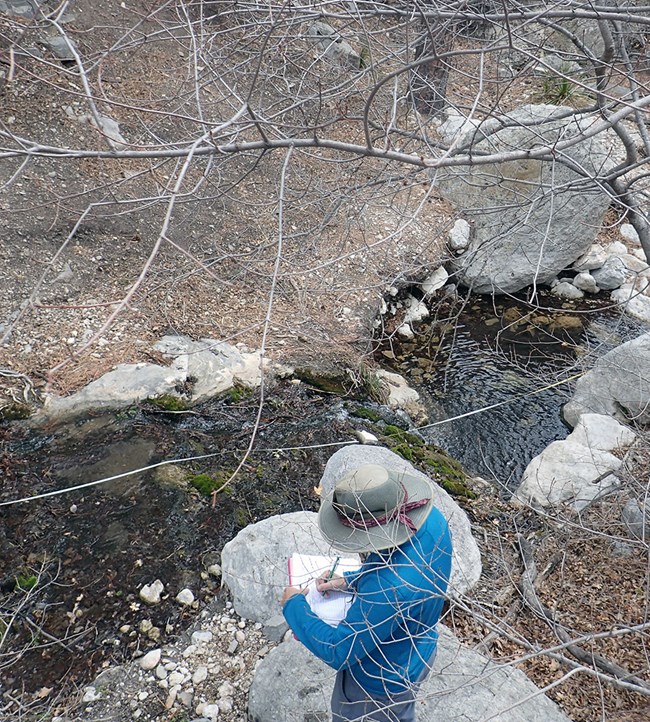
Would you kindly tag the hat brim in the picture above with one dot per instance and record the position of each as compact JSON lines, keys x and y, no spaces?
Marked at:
{"x":376,"y":538}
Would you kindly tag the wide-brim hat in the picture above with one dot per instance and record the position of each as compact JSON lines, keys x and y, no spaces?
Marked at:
{"x":373,"y":508}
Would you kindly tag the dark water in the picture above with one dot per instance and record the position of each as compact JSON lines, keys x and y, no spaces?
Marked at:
{"x":503,"y":353}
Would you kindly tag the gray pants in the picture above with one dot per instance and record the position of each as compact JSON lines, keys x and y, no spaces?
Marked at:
{"x":351,"y":703}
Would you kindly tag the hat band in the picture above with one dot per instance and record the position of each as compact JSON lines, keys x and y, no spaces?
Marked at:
{"x":399,"y":513}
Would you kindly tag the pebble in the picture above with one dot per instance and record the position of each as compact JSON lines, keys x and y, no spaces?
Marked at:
{"x":186,"y":697}
{"x":185,"y":597}
{"x":150,"y":593}
{"x":200,"y":675}
{"x":225,"y":690}
{"x":176,"y":678}
{"x":90,"y":695}
{"x":201,"y":637}
{"x":171,"y":697}
{"x":211,"y":711}
{"x":215,"y":570}
{"x":151,"y":659}
{"x":232,"y":647}
{"x":240,"y":636}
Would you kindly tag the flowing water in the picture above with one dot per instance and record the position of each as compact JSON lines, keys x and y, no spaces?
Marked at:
{"x":515,"y":363}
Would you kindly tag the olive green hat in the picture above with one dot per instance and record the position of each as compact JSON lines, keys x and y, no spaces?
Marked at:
{"x":373,"y":508}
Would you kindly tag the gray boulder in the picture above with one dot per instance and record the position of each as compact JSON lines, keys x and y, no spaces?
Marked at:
{"x":291,"y":685}
{"x":618,"y":385}
{"x":202,"y":369}
{"x":466,"y":566}
{"x":531,"y":218}
{"x":579,"y":469}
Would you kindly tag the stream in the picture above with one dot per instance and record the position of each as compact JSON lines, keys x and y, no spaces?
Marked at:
{"x":516,"y":360}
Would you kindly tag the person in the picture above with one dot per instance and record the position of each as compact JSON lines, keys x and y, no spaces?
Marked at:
{"x":386,"y":644}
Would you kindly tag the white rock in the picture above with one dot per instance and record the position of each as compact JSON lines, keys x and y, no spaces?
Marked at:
{"x":639,"y":253}
{"x":416,"y":310}
{"x":161,"y":672}
{"x":225,"y":705}
{"x":225,"y":690}
{"x":211,"y":711}
{"x":435,"y":281}
{"x":594,"y":258}
{"x":201,"y":637}
{"x":200,"y":675}
{"x":405,"y":331}
{"x":586,"y":282}
{"x":176,"y":679}
{"x":185,"y":597}
{"x":151,"y":659}
{"x":628,"y":232}
{"x":633,"y":263}
{"x":459,"y":235}
{"x":215,"y":570}
{"x":150,"y":593}
{"x":171,"y":697}
{"x":240,"y":636}
{"x":90,"y":695}
{"x":616,"y":249}
{"x":564,"y":289}
{"x":636,"y":304}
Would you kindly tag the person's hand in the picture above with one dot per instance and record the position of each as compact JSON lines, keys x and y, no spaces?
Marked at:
{"x":323,"y":584}
{"x":291,"y":592}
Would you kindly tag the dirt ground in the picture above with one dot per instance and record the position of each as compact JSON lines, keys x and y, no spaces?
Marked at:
{"x":96,"y":263}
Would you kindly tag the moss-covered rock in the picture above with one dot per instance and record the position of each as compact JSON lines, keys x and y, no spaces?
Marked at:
{"x":168,"y":402}
{"x":15,"y":412}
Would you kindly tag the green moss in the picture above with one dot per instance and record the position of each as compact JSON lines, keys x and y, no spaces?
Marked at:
{"x":168,"y":402}
{"x":363,"y":413}
{"x":15,"y":412}
{"x":404,"y":450}
{"x":236,"y":393}
{"x":394,"y":432}
{"x":206,"y":483}
{"x":331,"y":383}
{"x":445,"y":470}
{"x":26,"y":582}
{"x":242,"y":517}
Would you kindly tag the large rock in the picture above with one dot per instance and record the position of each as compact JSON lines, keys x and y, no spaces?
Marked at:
{"x":618,"y":385}
{"x":463,"y":686}
{"x":466,"y":566}
{"x":254,"y":563}
{"x":202,"y":369}
{"x":531,"y":218}
{"x":578,"y":469}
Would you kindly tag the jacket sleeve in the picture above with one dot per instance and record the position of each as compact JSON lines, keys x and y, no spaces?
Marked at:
{"x":370,"y":620}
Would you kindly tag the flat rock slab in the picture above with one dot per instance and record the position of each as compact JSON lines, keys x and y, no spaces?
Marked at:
{"x":290,"y":684}
{"x":202,"y":369}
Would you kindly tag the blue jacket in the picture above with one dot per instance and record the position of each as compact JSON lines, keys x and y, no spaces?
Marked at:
{"x":389,"y":632}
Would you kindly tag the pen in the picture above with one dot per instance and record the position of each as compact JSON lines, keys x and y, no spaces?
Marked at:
{"x":332,"y":570}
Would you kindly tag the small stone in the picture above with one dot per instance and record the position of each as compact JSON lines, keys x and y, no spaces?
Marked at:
{"x":232,"y":647}
{"x":263,"y":651}
{"x":459,"y":235}
{"x":566,"y":290}
{"x":214,"y":570}
{"x":200,"y":675}
{"x":225,"y":705}
{"x":150,"y":593}
{"x":175,"y":679}
{"x":145,"y":626}
{"x":629,"y":234}
{"x":189,"y":651}
{"x":240,"y":636}
{"x":151,"y":659}
{"x":186,"y":697}
{"x":225,"y":690}
{"x":185,"y":597}
{"x":154,"y":634}
{"x":201,"y":637}
{"x":161,"y":672}
{"x":211,"y":712}
{"x":405,"y":331}
{"x":171,"y":697}
{"x":125,"y":628}
{"x":586,"y":282}
{"x":90,"y":695}
{"x":143,"y":695}
{"x":616,"y":249}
